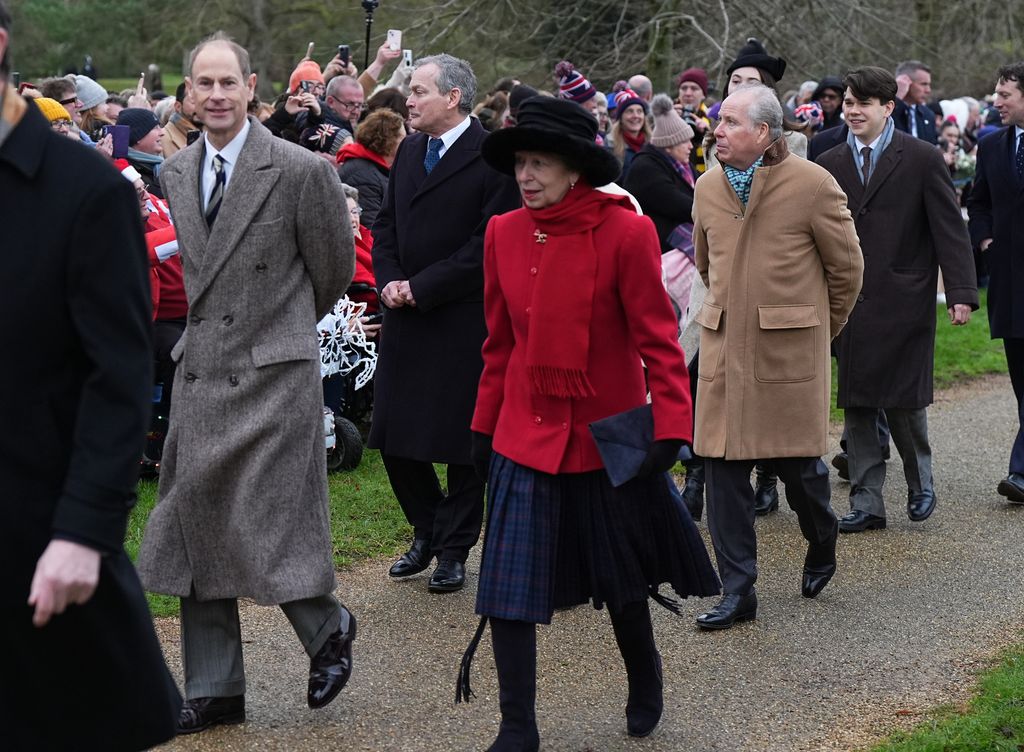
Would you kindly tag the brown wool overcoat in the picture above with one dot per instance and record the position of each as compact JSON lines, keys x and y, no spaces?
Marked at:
{"x":243,"y":487}
{"x":782,"y":274}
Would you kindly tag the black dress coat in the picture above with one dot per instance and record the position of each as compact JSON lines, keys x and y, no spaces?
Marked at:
{"x":826,"y":140}
{"x":910,"y":226}
{"x":371,"y":180}
{"x":430,"y":231}
{"x":663,"y":194}
{"x":925,"y":117}
{"x":996,"y":208}
{"x":74,"y":293}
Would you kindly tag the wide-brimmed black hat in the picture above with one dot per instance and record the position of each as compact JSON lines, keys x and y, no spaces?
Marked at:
{"x":753,"y":54}
{"x":555,"y":126}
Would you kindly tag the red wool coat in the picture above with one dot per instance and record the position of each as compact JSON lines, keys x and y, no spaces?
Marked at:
{"x":631,"y":319}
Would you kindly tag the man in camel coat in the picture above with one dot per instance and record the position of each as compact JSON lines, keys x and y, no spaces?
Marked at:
{"x":777,"y":249}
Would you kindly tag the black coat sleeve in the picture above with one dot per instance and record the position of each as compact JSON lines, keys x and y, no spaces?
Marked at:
{"x":979,"y":202}
{"x":110,"y":312}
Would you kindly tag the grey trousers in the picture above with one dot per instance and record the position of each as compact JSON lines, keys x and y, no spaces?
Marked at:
{"x":909,"y":429}
{"x":731,"y":512}
{"x":211,"y":640}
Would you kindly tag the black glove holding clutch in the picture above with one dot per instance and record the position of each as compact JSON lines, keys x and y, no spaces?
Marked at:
{"x":663,"y":454}
{"x":480,"y":453}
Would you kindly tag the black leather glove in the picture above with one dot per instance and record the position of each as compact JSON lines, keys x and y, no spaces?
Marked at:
{"x":660,"y":458}
{"x":480,"y":453}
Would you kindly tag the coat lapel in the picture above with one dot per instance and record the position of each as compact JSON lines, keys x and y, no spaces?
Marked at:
{"x":840,"y":162}
{"x":251,"y":182}
{"x":462,"y":153}
{"x":890,"y":158}
{"x":181,"y":179}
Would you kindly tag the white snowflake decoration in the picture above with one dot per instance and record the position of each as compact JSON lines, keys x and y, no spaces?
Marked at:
{"x":343,"y":344}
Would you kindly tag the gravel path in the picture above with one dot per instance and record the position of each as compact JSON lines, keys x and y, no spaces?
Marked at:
{"x":913,"y":613}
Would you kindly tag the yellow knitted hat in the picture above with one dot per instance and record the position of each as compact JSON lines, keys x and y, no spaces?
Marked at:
{"x":52,"y":109}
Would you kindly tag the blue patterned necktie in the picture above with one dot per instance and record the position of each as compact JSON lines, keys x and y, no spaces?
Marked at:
{"x":1020,"y":156}
{"x":433,"y":155}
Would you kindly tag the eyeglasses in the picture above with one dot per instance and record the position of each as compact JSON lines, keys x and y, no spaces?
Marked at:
{"x":355,"y":211}
{"x":69,"y":100}
{"x":361,"y":106}
{"x":59,"y":125}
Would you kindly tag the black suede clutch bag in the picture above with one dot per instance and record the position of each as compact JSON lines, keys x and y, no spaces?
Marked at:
{"x":623,"y":440}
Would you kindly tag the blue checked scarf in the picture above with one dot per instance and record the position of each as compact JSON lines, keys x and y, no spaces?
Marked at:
{"x":741,"y":180}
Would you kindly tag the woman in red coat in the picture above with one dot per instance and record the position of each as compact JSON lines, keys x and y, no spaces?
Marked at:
{"x":574,"y":301}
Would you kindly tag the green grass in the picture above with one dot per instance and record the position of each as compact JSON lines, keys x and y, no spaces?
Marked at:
{"x":961,"y":352}
{"x":992,"y":722}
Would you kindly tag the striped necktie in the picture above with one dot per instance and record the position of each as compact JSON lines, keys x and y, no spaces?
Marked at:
{"x":219,"y":181}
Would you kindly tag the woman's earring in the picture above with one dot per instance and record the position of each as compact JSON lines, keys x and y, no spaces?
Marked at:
{"x":572,"y":184}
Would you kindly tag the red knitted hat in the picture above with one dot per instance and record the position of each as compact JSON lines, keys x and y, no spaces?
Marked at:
{"x":307,"y":70}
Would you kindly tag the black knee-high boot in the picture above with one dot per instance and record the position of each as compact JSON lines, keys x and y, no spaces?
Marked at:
{"x":635,"y":636}
{"x":515,"y":656}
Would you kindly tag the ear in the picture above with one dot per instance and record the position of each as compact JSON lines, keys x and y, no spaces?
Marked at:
{"x":251,"y":85}
{"x":889,"y":107}
{"x":188,"y":87}
{"x":3,"y":46}
{"x":454,"y":97}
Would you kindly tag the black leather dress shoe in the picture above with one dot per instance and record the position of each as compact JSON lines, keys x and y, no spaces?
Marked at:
{"x":819,"y":566}
{"x":841,"y":462}
{"x":857,"y":521}
{"x":450,"y":575}
{"x":766,"y":490}
{"x":731,"y":609}
{"x":200,"y":713}
{"x":920,"y":505}
{"x":413,"y":561}
{"x":1012,"y":487}
{"x":331,"y":667}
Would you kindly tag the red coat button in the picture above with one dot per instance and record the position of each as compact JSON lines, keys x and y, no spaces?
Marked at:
{"x":533,"y":270}
{"x":536,"y":419}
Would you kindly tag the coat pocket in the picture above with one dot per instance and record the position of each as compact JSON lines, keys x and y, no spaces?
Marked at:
{"x":785,"y":350}
{"x":285,"y":349}
{"x":711,"y":340}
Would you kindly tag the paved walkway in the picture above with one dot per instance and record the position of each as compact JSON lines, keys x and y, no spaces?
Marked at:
{"x":913,"y":612}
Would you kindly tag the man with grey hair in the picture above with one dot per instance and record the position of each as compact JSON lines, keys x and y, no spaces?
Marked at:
{"x":914,"y":88}
{"x":776,"y":246}
{"x":642,"y":85}
{"x":428,"y":260}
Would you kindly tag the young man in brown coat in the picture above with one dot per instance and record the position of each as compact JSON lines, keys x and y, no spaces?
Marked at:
{"x":777,"y":249}
{"x":910,"y":226}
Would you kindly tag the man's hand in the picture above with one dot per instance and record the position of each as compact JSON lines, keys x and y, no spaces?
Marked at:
{"x":302,"y":101}
{"x":959,"y":314}
{"x":902,"y":85}
{"x":385,"y":55}
{"x":397,"y":294}
{"x":66,"y":573}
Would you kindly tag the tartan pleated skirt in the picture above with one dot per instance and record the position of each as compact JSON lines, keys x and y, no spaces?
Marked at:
{"x":556,"y":541}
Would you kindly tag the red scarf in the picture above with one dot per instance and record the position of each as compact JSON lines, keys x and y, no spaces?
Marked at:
{"x":358,"y":151}
{"x":635,"y":143}
{"x":558,"y":341}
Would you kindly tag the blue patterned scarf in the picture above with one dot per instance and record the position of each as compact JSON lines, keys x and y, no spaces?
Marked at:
{"x":741,"y":180}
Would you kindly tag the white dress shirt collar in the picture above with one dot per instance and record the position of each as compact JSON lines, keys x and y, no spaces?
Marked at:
{"x":450,"y":137}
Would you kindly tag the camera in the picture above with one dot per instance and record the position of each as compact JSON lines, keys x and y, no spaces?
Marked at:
{"x":690,"y":115}
{"x":371,"y":5}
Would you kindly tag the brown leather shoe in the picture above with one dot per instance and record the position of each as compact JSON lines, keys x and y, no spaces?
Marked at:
{"x":331,"y":667}
{"x":200,"y":713}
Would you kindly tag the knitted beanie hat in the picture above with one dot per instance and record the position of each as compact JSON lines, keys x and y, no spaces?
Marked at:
{"x":669,"y":128}
{"x":139,"y":121}
{"x":572,"y":84}
{"x":89,"y":92}
{"x":694,"y":75}
{"x":307,"y":70}
{"x":52,"y":109}
{"x":624,"y":97}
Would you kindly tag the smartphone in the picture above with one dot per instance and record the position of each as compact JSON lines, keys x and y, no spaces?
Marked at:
{"x":344,"y":54}
{"x":395,"y":39}
{"x":119,"y":134}
{"x":192,"y":136}
{"x":16,"y":80}
{"x":374,"y":318}
{"x":407,"y":58}
{"x":306,"y":86}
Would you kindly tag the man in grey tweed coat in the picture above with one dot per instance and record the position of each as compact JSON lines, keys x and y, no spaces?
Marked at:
{"x":267,"y":250}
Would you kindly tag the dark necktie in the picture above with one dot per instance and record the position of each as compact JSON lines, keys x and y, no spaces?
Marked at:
{"x":219,"y":181}
{"x":912,"y":120}
{"x":865,"y":168}
{"x":1020,"y":156}
{"x":433,"y":155}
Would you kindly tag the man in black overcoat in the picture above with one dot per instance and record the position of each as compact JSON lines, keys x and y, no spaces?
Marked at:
{"x":428,"y":260}
{"x":996,"y":207}
{"x":81,"y":666}
{"x":909,"y":224}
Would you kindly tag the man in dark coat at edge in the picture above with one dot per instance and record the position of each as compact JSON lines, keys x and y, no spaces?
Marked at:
{"x":996,"y":208}
{"x":909,"y":224}
{"x":428,"y":259}
{"x":73,"y":617}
